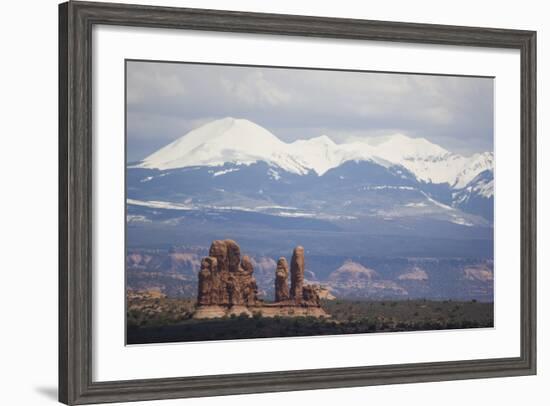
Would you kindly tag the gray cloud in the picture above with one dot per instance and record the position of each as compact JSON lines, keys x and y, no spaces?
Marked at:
{"x":165,"y":100}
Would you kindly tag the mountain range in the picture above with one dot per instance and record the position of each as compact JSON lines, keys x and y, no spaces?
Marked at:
{"x":242,"y":142}
{"x":234,"y":164}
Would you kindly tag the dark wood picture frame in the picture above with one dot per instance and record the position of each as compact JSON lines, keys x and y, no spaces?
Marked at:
{"x":76,"y":20}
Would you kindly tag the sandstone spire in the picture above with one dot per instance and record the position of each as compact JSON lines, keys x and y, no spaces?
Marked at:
{"x":297,"y":274}
{"x":281,"y":281}
{"x":209,"y":266}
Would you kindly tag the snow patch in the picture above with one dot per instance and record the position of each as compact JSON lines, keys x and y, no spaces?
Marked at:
{"x":219,"y":173}
{"x":273,"y":174}
{"x":387,"y":187}
{"x":438,"y":204}
{"x":419,"y":204}
{"x":154,"y":204}
{"x":461,"y":221}
{"x":132,"y":218}
{"x":147,"y":179}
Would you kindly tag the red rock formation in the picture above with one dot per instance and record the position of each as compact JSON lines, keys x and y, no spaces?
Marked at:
{"x":310,"y":296}
{"x":227,"y":285}
{"x":297,"y":274}
{"x":233,"y":256}
{"x":218,"y":250}
{"x":281,"y":281}
{"x":207,"y":291}
{"x":249,"y":287}
{"x":225,"y":280}
{"x":246,"y":264}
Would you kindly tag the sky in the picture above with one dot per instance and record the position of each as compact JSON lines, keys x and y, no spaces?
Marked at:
{"x":167,"y":100}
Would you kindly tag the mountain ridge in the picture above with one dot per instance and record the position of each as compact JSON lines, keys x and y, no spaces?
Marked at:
{"x":242,"y":142}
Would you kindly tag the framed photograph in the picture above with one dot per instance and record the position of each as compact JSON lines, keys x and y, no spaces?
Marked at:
{"x":258,"y":202}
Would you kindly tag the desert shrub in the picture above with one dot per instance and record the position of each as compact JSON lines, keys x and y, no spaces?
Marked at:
{"x":260,"y":323}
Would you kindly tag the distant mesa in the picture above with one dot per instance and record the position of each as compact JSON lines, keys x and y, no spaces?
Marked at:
{"x":479,"y":272}
{"x":227,"y":286}
{"x":414,"y":274}
{"x":352,"y":271}
{"x":363,"y":282}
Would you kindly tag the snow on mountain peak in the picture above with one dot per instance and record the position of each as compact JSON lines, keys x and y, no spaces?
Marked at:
{"x":227,"y":140}
{"x":319,"y":153}
{"x":475,"y":165}
{"x":323,"y":140}
{"x":399,"y":146}
{"x":240,"y":141}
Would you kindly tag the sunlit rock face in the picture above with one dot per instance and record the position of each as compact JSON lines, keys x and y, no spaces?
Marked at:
{"x":227,"y":286}
{"x":225,"y":279}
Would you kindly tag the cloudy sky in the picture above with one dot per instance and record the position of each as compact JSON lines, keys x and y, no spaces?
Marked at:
{"x":166,"y":100}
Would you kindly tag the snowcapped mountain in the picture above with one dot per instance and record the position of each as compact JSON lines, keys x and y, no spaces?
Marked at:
{"x":477,"y":195}
{"x":475,"y":165}
{"x":320,"y":153}
{"x":242,"y":142}
{"x":234,"y":165}
{"x":224,"y":141}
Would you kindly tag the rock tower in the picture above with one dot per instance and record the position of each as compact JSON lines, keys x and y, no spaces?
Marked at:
{"x":297,"y":274}
{"x":227,"y":286}
{"x":225,"y":279}
{"x":282,"y":293}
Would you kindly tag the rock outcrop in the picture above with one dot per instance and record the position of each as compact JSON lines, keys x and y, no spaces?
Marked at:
{"x":297,"y":266}
{"x":225,"y":279}
{"x":282,"y":293}
{"x":227,"y":286}
{"x":208,"y":282}
{"x":310,"y":296}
